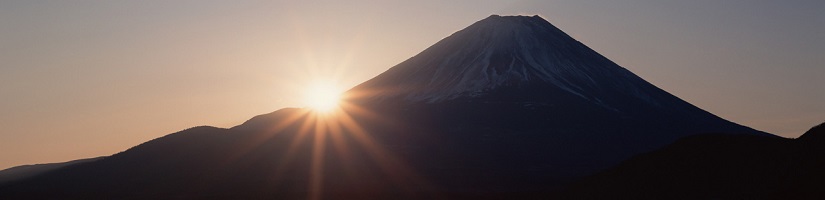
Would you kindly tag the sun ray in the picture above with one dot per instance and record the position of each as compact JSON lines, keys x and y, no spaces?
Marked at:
{"x":339,"y":140}
{"x":294,"y":145}
{"x":394,"y":168}
{"x":317,"y":166}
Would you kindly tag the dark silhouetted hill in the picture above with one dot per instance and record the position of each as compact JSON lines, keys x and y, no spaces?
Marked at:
{"x":26,"y":171}
{"x":717,"y":167}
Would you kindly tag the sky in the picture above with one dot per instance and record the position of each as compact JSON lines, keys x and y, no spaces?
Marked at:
{"x":82,"y":78}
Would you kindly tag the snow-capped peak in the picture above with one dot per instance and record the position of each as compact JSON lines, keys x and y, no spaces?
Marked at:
{"x":504,"y":51}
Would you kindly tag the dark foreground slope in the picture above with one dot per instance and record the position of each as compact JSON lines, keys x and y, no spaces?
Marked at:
{"x":717,"y":167}
{"x":26,"y":171}
{"x":509,"y":106}
{"x":295,"y":154}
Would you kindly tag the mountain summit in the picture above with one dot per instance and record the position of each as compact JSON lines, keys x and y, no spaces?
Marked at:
{"x":511,"y":51}
{"x":509,"y":106}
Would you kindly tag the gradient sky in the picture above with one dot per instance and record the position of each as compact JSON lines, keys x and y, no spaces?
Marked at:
{"x":82,"y":79}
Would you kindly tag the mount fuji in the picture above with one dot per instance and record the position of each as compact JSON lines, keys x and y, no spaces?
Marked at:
{"x":513,"y":51}
{"x":509,"y":106}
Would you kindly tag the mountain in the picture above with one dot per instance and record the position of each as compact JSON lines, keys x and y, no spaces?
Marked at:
{"x":26,"y":171}
{"x":507,"y":107}
{"x":717,"y":167}
{"x":518,"y":84}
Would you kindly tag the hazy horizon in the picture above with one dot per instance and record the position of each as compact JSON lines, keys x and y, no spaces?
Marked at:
{"x":84,"y":79}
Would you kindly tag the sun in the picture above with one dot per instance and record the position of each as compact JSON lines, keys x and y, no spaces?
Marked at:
{"x":323,"y":97}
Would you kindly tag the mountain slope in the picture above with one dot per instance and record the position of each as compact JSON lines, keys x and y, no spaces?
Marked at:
{"x":508,"y":106}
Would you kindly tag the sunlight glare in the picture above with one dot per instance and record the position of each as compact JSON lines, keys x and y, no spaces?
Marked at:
{"x":323,"y":98}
